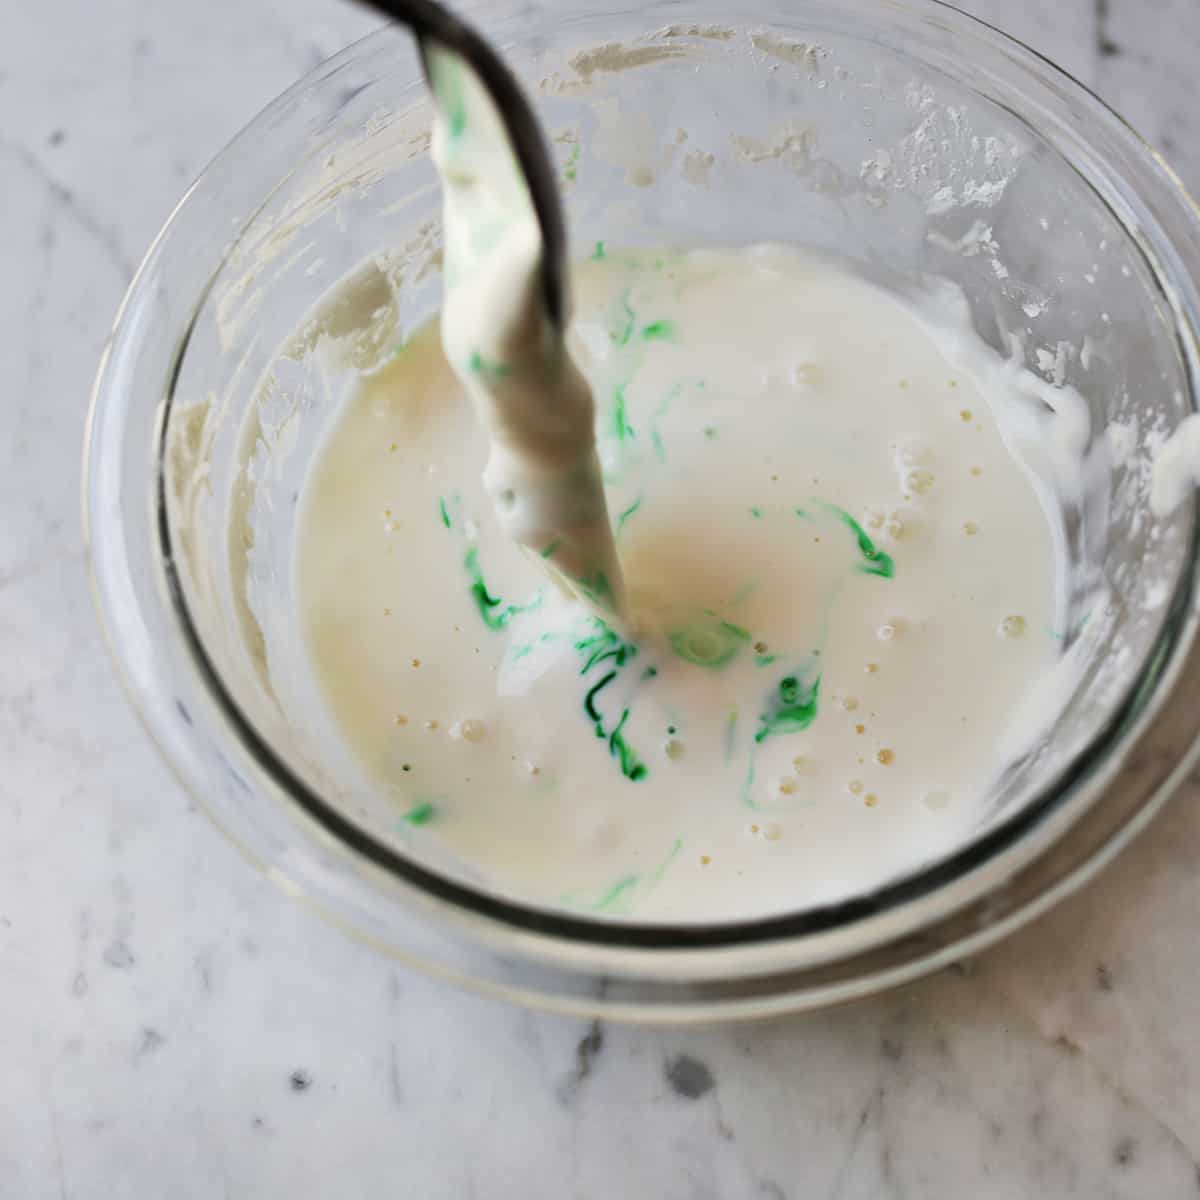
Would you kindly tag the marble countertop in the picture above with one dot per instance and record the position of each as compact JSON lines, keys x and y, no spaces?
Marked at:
{"x":171,"y":1025}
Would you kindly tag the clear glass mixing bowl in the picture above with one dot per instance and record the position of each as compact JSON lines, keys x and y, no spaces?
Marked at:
{"x":905,"y":135}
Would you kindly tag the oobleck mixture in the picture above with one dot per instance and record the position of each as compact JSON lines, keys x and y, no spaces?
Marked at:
{"x":740,"y":627}
{"x":841,"y":586}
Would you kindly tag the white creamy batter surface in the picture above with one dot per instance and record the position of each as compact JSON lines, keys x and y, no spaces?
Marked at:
{"x":842,"y":585}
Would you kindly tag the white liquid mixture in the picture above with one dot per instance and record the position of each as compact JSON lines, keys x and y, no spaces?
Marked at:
{"x":542,"y":472}
{"x":842,"y":586}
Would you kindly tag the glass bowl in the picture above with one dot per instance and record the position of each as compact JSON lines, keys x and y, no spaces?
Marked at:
{"x":907,"y":136}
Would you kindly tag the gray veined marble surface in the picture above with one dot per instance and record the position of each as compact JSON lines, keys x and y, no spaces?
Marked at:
{"x":170,"y":1025}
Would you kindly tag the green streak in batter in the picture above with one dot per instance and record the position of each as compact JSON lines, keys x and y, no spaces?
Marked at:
{"x":605,"y":646}
{"x":571,"y":169}
{"x":589,"y":702}
{"x":631,"y":766}
{"x":621,"y":329}
{"x":447,"y":505}
{"x":487,"y":370}
{"x":448,"y":87}
{"x":661,"y":869}
{"x":629,"y":512}
{"x":659,"y":331}
{"x":791,"y":708}
{"x":623,"y":324}
{"x":743,"y":593}
{"x":494,"y":613}
{"x":522,"y":650}
{"x":421,"y":814}
{"x":664,"y":407}
{"x":609,"y":647}
{"x":622,"y":429}
{"x":598,"y":589}
{"x":619,"y":897}
{"x":875,"y":561}
{"x":598,"y":254}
